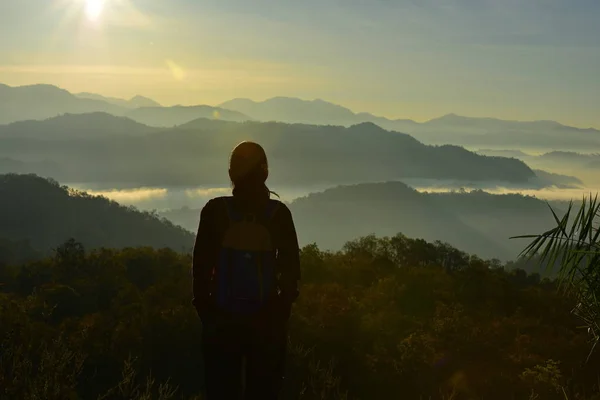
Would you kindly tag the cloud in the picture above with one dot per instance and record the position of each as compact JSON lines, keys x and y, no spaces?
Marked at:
{"x":129,"y":196}
{"x":549,"y":193}
{"x":209,"y":192}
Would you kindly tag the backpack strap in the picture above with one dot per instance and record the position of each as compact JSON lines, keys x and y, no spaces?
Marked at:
{"x":272,"y":207}
{"x":232,"y":213}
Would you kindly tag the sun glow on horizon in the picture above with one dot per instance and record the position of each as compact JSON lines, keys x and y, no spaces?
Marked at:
{"x":94,"y":8}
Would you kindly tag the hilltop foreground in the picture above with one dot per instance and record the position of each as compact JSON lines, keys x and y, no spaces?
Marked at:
{"x":384,"y":318}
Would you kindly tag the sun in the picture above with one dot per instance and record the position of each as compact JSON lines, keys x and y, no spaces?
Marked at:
{"x":94,"y":8}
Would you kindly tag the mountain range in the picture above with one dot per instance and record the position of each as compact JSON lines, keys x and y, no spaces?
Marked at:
{"x":178,"y":115}
{"x":289,"y":109}
{"x":135,"y":102}
{"x":104,"y":148}
{"x":450,"y":128}
{"x":40,"y":102}
{"x":46,"y":101}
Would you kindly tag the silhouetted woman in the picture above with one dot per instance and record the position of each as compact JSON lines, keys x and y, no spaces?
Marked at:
{"x":245,"y":278}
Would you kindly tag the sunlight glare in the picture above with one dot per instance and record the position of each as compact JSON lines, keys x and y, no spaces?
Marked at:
{"x":93,"y":8}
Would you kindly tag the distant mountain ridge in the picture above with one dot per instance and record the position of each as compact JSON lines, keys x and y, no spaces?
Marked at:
{"x":90,"y":125}
{"x":484,"y":122}
{"x":293,"y":110}
{"x":450,"y":128}
{"x":103,"y":148}
{"x":41,"y":102}
{"x":180,"y":115}
{"x":135,"y":102}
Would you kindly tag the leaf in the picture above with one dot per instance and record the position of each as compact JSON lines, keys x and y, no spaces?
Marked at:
{"x":574,"y":242}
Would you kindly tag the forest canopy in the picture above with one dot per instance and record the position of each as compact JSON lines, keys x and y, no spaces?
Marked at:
{"x":385,"y":317}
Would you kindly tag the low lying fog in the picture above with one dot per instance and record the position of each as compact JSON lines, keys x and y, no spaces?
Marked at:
{"x":173,"y":198}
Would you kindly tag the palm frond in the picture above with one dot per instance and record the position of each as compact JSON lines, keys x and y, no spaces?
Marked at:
{"x":575,"y":244}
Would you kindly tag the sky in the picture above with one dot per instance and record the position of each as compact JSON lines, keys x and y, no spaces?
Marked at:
{"x":418,"y":59}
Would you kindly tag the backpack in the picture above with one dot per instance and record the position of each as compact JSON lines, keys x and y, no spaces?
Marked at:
{"x":246,"y":276}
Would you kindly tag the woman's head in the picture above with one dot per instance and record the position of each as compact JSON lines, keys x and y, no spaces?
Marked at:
{"x":248,"y":168}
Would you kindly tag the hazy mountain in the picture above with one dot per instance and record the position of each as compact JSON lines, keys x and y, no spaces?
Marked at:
{"x":287,"y":109}
{"x":134,"y":102}
{"x":562,"y":158}
{"x":196,"y":153}
{"x":493,"y":124}
{"x":449,"y":128}
{"x":400,"y":125}
{"x":571,"y":158}
{"x":47,"y":214}
{"x":178,"y":115}
{"x":365,"y":151}
{"x":493,"y":132}
{"x":583,"y":166}
{"x":562,"y":181}
{"x":40,"y":102}
{"x":476,"y":222}
{"x":46,"y":101}
{"x":75,"y":125}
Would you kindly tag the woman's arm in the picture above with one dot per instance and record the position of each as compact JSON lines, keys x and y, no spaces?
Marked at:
{"x":202,"y":258}
{"x":288,"y":256}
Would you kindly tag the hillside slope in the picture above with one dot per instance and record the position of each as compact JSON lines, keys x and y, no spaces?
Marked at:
{"x":46,"y":214}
